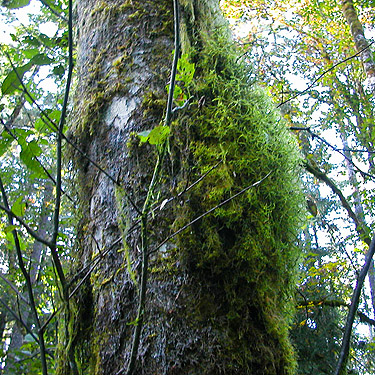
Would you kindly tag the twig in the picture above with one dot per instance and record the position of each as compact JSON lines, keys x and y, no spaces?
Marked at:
{"x":7,"y":128}
{"x":56,"y":214}
{"x":53,"y":126}
{"x":26,"y":226}
{"x":344,"y":352}
{"x":144,"y":272}
{"x":179,"y":195}
{"x":324,"y":73}
{"x":18,"y":318}
{"x":55,"y":12}
{"x":15,"y":290}
{"x":335,"y":303}
{"x":168,"y":115}
{"x":174,"y":110}
{"x":147,"y":203}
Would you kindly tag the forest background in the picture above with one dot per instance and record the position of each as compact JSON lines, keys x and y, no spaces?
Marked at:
{"x":315,"y":60}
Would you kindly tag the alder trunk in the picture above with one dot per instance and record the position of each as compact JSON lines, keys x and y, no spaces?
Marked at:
{"x":218,"y":294}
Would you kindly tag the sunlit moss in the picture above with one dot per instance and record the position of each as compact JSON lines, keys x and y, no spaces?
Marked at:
{"x":245,"y":248}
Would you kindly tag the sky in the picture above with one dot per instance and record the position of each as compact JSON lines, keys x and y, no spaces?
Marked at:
{"x":48,"y":28}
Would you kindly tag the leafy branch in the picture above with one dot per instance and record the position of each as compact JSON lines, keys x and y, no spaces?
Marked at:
{"x":27,"y":278}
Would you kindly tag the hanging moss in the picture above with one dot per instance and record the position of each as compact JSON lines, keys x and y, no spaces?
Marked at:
{"x":243,"y":253}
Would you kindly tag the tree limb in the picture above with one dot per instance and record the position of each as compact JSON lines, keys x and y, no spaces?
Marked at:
{"x":344,"y":352}
{"x":335,"y":303}
{"x":361,"y":229}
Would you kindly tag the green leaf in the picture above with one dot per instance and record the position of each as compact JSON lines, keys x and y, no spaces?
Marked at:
{"x":15,"y":4}
{"x":185,"y":69}
{"x":31,"y":52}
{"x":156,"y":136}
{"x":143,"y":136}
{"x":12,"y":82}
{"x":41,"y":59}
{"x":58,"y":70}
{"x":29,"y":152}
{"x":19,"y":207}
{"x":32,"y":41}
{"x":10,"y":228}
{"x":5,"y":141}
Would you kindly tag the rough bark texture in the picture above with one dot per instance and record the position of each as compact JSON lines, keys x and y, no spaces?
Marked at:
{"x":217,"y":296}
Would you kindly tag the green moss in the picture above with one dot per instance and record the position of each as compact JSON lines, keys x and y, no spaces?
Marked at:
{"x":153,"y":104}
{"x":247,"y":246}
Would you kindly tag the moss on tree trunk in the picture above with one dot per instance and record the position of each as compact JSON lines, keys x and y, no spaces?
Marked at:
{"x":219,"y":294}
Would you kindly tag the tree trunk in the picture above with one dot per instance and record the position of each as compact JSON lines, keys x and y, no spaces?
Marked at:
{"x":361,"y":44}
{"x":218,"y":294}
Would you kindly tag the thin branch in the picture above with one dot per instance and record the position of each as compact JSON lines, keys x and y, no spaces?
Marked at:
{"x":147,"y":203}
{"x":54,"y":11}
{"x":56,"y":215}
{"x":26,"y":276}
{"x":19,"y":319}
{"x":53,"y":126}
{"x":335,"y":303}
{"x":207,"y":213}
{"x":324,"y":73}
{"x":168,"y":115}
{"x":15,"y":290}
{"x":179,"y":195}
{"x":26,"y":226}
{"x":323,"y":177}
{"x":7,"y":128}
{"x":344,"y":352}
{"x":314,"y":135}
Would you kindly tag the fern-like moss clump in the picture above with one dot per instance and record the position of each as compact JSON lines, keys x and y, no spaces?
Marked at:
{"x":245,"y":251}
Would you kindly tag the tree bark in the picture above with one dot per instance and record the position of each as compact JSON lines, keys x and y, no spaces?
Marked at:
{"x":218,"y":294}
{"x":360,"y":41}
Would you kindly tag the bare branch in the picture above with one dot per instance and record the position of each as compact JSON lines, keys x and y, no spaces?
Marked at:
{"x":26,"y":226}
{"x":15,"y":290}
{"x":18,"y":318}
{"x":361,"y":229}
{"x":344,"y":352}
{"x":314,"y":135}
